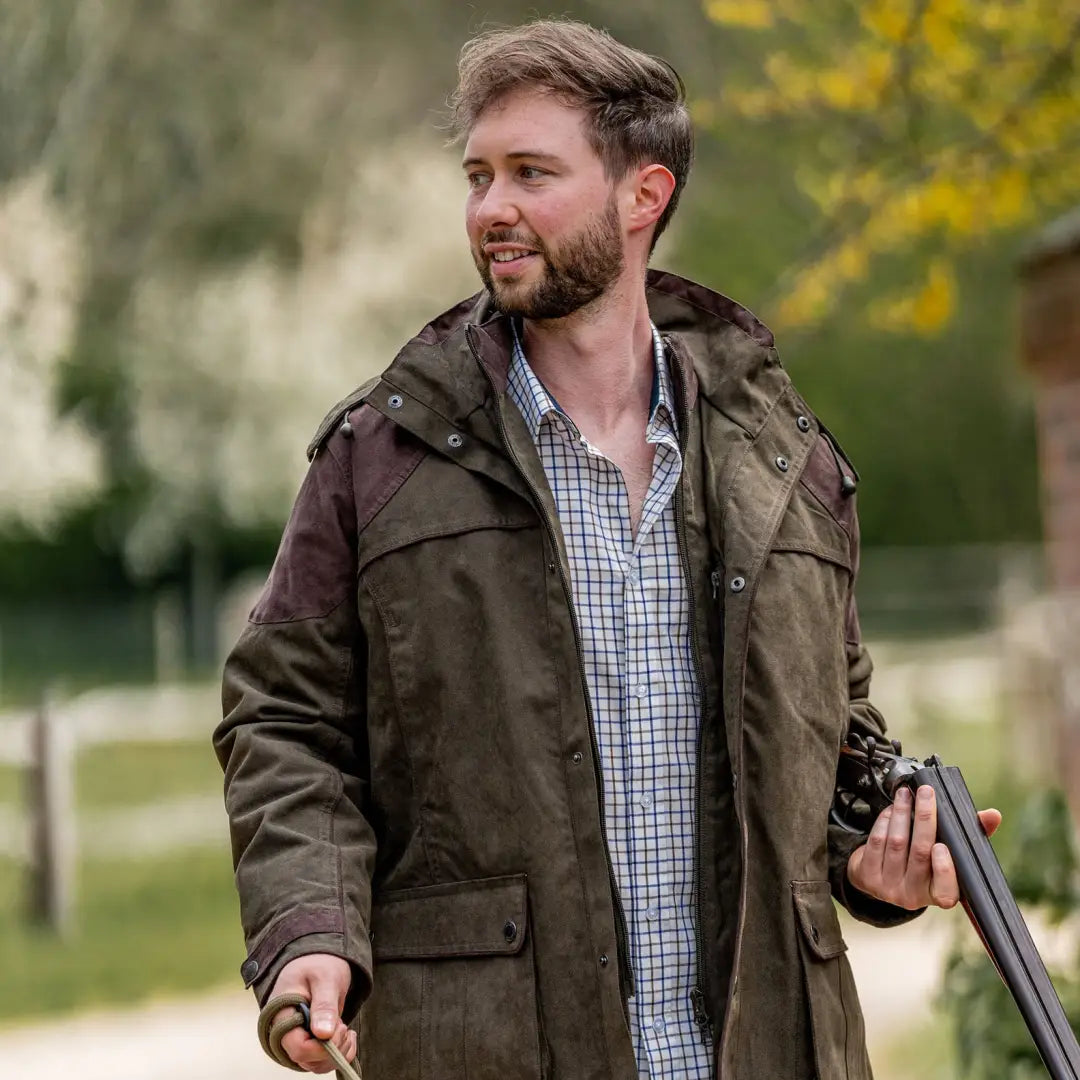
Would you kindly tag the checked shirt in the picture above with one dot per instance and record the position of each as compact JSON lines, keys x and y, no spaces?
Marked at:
{"x":632,"y":608}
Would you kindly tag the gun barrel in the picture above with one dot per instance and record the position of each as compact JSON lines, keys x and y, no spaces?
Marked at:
{"x":989,"y":900}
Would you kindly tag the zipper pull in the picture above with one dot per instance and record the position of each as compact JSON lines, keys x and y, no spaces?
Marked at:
{"x":701,"y":1017}
{"x":716,"y":577}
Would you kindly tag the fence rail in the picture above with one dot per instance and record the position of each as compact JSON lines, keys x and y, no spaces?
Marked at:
{"x":178,"y":713}
{"x":49,"y":834}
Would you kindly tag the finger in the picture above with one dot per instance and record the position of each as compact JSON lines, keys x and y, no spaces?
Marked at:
{"x":284,"y":1014}
{"x":341,"y":1038}
{"x":302,"y":1048}
{"x":894,"y":865}
{"x":325,"y":1016}
{"x":923,"y":835}
{"x":990,"y":820}
{"x":874,"y":850}
{"x":354,"y":1046}
{"x":944,"y":890}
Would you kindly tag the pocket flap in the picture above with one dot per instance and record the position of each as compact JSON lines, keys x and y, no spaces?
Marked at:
{"x":817,"y":917}
{"x":459,"y":918}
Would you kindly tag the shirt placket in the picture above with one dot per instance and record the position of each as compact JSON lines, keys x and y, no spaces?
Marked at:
{"x":623,"y":588}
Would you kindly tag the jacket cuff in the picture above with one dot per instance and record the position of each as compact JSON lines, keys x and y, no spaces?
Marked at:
{"x":862,"y":906}
{"x":301,"y":934}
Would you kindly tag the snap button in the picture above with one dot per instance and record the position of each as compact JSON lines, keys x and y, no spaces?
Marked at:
{"x":575,"y":757}
{"x":782,"y":464}
{"x":803,"y":424}
{"x":510,"y":930}
{"x":604,"y":960}
{"x":395,"y":401}
{"x":737,"y":584}
{"x":551,"y":567}
{"x":454,"y":440}
{"x":249,"y":970}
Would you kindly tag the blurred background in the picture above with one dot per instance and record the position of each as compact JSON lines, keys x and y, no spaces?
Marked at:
{"x":217,"y":219}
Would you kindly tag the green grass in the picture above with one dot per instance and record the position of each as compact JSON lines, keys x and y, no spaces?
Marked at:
{"x":146,"y":927}
{"x":11,"y":789}
{"x":126,"y":774}
{"x":924,"y":1052}
{"x":143,"y":928}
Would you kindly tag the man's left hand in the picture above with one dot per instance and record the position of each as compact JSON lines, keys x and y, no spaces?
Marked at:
{"x":901,"y":864}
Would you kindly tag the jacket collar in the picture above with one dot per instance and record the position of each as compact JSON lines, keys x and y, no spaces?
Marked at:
{"x":721,"y":351}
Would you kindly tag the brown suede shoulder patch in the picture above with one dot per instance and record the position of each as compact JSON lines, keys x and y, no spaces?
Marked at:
{"x":348,"y":482}
{"x":822,"y":478}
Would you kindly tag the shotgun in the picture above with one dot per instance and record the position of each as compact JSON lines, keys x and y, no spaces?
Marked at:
{"x":868,"y":776}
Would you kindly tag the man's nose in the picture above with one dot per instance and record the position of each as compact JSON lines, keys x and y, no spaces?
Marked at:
{"x":497,"y":208}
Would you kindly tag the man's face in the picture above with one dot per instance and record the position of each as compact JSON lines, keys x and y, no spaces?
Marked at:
{"x":542,"y":217}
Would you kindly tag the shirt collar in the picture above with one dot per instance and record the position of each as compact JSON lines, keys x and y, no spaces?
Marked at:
{"x":535,"y":401}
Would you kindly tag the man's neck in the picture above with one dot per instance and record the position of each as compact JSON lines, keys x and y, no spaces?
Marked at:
{"x":598,"y":363}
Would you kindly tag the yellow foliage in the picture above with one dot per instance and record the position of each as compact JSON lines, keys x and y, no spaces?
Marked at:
{"x":887,"y":19}
{"x":968,"y":124}
{"x":925,"y":310}
{"x":754,"y":14}
{"x":1007,"y":201}
{"x":807,"y":301}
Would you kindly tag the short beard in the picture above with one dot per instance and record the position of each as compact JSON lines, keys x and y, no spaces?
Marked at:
{"x":574,"y":275}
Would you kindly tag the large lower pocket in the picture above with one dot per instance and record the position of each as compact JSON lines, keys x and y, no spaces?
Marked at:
{"x":454,"y":992}
{"x":836,"y":1021}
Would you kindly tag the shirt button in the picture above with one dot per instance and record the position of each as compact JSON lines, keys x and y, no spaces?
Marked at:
{"x":641,"y":690}
{"x":658,"y":1026}
{"x":652,"y":914}
{"x":646,"y":801}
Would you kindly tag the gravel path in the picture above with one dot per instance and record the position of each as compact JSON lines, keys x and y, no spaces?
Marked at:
{"x":213,"y":1038}
{"x":209,"y":1038}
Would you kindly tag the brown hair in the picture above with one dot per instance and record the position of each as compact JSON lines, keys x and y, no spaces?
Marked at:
{"x":635,"y":103}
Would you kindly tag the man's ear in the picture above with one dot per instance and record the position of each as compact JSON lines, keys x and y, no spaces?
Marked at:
{"x":652,"y":190}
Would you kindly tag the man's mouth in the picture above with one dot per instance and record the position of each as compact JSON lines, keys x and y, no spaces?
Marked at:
{"x":510,"y":261}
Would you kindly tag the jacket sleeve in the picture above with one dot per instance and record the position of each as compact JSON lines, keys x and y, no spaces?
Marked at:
{"x":292,"y":745}
{"x":865,"y":719}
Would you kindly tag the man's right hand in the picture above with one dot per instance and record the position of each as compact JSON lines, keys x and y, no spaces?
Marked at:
{"x":324,"y":981}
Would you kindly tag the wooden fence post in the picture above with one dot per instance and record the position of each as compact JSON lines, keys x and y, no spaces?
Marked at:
{"x":50,"y":791}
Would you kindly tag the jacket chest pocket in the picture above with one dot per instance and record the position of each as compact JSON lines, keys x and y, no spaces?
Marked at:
{"x":836,"y":1021}
{"x":454,"y":991}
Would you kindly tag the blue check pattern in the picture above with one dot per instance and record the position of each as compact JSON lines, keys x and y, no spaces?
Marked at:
{"x":634,"y":617}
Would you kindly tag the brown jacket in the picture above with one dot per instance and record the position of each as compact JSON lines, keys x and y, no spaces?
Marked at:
{"x":411,"y":771}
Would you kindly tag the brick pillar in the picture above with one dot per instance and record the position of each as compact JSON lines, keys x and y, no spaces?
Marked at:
{"x":1050,"y":348}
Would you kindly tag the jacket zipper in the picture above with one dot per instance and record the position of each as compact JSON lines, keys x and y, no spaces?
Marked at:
{"x":626,"y":971}
{"x":698,"y":999}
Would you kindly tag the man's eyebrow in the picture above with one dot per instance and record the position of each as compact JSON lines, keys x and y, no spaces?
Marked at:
{"x":515,"y":155}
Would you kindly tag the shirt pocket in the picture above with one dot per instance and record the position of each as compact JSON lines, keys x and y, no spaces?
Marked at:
{"x":454,"y":988}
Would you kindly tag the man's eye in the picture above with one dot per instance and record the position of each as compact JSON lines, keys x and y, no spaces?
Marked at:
{"x":530,"y":172}
{"x":477,"y":179}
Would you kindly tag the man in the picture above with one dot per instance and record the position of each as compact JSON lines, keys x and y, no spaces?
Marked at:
{"x":531,"y":740}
